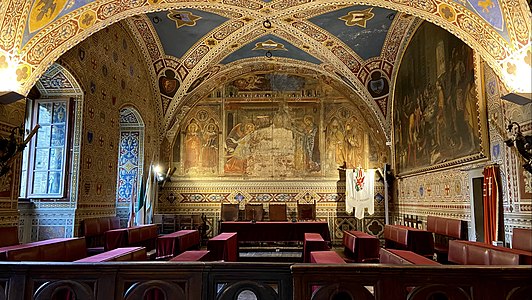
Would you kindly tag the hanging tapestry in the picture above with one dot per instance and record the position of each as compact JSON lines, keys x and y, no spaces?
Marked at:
{"x":359,"y":191}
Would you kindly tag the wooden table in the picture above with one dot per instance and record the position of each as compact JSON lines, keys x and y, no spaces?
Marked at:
{"x":275,"y":231}
{"x":313,"y":242}
{"x":408,"y":238}
{"x":224,"y":246}
{"x":143,"y":235}
{"x":362,"y":247}
{"x":118,"y":254}
{"x":194,"y":255}
{"x":177,"y":242}
{"x":326,"y":257}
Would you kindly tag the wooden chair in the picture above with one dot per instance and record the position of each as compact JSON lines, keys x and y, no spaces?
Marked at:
{"x":306,"y":211}
{"x":229,"y":212}
{"x":277,"y":211}
{"x":254,"y":212}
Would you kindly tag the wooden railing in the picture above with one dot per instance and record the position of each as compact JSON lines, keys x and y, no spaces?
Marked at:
{"x":279,"y":281}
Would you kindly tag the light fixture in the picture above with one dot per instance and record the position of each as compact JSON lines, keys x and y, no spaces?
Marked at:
{"x":523,"y":143}
{"x":9,"y":86}
{"x":156,"y":19}
{"x":267,"y":24}
{"x":269,"y":54}
{"x":516,"y":74}
{"x":161,"y":176}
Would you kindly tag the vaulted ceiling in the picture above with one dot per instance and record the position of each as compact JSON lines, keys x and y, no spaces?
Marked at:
{"x":344,"y":44}
{"x":194,"y":46}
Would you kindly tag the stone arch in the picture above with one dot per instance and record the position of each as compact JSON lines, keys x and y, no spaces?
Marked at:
{"x":59,"y":83}
{"x":248,"y":66}
{"x":48,"y":45}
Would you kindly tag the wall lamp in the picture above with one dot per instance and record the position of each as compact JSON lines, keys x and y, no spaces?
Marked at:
{"x":523,"y":143}
{"x":163,"y":176}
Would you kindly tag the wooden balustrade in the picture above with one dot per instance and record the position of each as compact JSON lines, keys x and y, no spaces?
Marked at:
{"x":277,"y":281}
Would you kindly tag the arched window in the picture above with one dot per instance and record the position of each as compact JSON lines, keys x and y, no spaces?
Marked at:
{"x":48,"y":167}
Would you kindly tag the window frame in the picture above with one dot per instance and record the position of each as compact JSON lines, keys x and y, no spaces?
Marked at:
{"x":28,"y":169}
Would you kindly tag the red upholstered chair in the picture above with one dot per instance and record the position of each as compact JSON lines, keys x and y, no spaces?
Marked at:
{"x":277,"y":211}
{"x":306,"y":211}
{"x":229,"y":212}
{"x":254,"y":212}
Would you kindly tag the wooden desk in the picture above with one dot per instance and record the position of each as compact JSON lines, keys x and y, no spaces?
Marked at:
{"x":144,"y":235}
{"x":224,"y":246}
{"x":4,"y":250}
{"x":194,"y":255}
{"x":59,"y":249}
{"x":313,"y":242}
{"x":118,"y":254}
{"x":177,"y":242}
{"x":408,"y":238}
{"x":404,"y":257}
{"x":275,"y":231}
{"x":362,"y":247}
{"x":326,"y":257}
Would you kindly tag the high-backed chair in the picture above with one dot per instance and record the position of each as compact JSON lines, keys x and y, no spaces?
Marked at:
{"x":277,"y":211}
{"x":306,"y":211}
{"x":229,"y":212}
{"x":254,"y":212}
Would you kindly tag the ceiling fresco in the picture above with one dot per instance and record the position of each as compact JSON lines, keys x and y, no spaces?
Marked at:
{"x":362,"y":28}
{"x":179,"y":30}
{"x":277,"y":46}
{"x":189,"y":43}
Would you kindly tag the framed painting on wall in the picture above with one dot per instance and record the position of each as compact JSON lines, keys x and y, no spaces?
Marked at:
{"x":439,"y":111}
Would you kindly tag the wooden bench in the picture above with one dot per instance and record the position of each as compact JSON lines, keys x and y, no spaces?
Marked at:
{"x":445,"y":229}
{"x":224,"y":246}
{"x":118,"y":254}
{"x":313,"y":242}
{"x":193,"y":255}
{"x":60,"y":249}
{"x":93,"y":229}
{"x":522,"y":239}
{"x":138,"y":236}
{"x":477,"y":253}
{"x":408,"y":238}
{"x":403,"y":257}
{"x":171,"y":244}
{"x":326,"y":257}
{"x":8,"y":236}
{"x":360,"y":246}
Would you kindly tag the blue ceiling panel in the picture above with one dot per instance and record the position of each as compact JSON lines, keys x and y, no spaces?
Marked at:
{"x":366,"y":41}
{"x":176,"y":41}
{"x":288,"y":51}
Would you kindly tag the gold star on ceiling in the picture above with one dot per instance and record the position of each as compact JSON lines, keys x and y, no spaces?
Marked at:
{"x":183,"y":18}
{"x":358,"y":17}
{"x":269,"y":45}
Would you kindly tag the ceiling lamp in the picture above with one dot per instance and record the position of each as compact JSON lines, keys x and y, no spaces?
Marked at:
{"x":267,"y":24}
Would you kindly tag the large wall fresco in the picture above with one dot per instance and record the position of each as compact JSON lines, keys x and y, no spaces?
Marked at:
{"x":439,"y":116}
{"x":448,"y":193}
{"x":275,"y":126}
